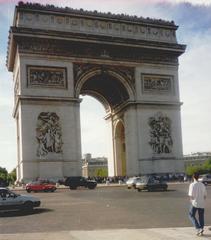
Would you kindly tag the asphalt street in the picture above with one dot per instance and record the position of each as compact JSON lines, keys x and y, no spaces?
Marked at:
{"x":104,"y":208}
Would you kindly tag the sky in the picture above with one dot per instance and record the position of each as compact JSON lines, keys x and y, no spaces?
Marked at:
{"x":194,"y":20}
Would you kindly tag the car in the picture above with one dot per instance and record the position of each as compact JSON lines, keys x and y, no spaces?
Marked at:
{"x":40,"y":186}
{"x":10,"y":200}
{"x":205,"y":178}
{"x":131,"y":182}
{"x":151,"y":184}
{"x":78,"y":181}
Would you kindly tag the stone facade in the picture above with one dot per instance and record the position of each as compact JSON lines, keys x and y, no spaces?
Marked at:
{"x":129,"y":64}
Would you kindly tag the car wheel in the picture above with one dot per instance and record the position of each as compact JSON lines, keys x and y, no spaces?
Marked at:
{"x":27,"y":206}
{"x":53,"y":190}
{"x":139,"y":190}
{"x":149,"y":189}
{"x":91,"y":187}
{"x":28,"y":190}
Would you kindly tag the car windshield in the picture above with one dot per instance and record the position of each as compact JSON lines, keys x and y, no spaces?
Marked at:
{"x":143,"y":179}
{"x":11,"y":194}
{"x":133,"y":179}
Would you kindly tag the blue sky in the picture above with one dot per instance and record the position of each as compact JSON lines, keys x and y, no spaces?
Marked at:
{"x":194,"y":20}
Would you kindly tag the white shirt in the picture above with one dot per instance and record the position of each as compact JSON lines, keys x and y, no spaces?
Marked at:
{"x":197,"y":192}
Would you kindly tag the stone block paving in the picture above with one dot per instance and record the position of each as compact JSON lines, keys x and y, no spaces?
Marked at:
{"x":117,"y":234}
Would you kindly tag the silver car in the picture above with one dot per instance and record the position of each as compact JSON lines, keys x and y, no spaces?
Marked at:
{"x":131,"y":182}
{"x":10,"y":200}
{"x":151,"y":184}
{"x":205,"y":178}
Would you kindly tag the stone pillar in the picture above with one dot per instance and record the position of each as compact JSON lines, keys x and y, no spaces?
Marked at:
{"x":158,"y":120}
{"x":131,"y":141}
{"x":48,"y":120}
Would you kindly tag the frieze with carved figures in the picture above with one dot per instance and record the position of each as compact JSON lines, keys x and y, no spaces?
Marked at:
{"x":47,"y":76}
{"x":157,"y":84}
{"x":89,"y":50}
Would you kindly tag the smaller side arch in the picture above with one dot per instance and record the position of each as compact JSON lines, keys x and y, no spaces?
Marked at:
{"x":120,"y":148}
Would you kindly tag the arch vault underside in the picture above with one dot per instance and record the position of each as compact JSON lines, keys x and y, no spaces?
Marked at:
{"x":129,"y":64}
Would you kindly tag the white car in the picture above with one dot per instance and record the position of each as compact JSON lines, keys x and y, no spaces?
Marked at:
{"x":131,"y":182}
{"x":10,"y":200}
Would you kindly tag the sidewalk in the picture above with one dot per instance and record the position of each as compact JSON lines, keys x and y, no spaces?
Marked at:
{"x":117,"y":234}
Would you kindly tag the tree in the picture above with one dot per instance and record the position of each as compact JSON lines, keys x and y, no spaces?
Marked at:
{"x":12,"y":176}
{"x":207,"y":166}
{"x":7,"y":178}
{"x":3,"y":177}
{"x":201,"y":169}
{"x":3,"y":173}
{"x":190,"y":170}
{"x":101,"y":172}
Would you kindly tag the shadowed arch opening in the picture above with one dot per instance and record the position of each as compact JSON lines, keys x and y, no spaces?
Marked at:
{"x":107,"y":89}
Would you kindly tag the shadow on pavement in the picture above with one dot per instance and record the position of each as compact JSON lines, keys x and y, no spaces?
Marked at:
{"x":24,"y":213}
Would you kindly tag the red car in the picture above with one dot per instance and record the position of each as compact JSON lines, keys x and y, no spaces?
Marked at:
{"x":40,"y":186}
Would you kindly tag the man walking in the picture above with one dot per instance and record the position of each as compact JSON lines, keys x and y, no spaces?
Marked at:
{"x":197,"y":193}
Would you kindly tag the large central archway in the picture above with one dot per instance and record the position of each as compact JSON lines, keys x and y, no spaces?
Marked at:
{"x":112,"y":90}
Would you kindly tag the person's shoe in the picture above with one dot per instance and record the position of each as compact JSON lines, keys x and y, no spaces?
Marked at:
{"x":201,"y":232}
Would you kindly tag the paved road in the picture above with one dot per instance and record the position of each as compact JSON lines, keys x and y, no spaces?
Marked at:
{"x":104,"y":208}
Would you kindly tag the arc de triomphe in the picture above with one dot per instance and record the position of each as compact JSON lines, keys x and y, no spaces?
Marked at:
{"x":129,"y":64}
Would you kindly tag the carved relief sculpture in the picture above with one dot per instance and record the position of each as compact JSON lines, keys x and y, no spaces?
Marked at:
{"x":81,"y":69}
{"x":46,"y":76}
{"x":157,"y":84}
{"x":48,"y":134}
{"x":160,"y":134}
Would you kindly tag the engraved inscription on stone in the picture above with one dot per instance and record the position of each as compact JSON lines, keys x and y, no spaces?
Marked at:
{"x":125,"y":30}
{"x":160,"y":134}
{"x":48,"y":134}
{"x":157,"y":83}
{"x":47,"y":76}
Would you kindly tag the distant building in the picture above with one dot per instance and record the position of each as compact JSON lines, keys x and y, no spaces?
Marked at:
{"x":197,"y":158}
{"x":93,"y":167}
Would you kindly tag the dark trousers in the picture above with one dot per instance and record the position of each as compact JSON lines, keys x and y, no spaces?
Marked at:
{"x":198,"y":223}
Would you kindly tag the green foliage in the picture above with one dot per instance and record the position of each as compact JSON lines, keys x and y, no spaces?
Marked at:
{"x":201,"y":169}
{"x":101,"y":172}
{"x":190,"y":170}
{"x":3,"y":173}
{"x":7,"y":177}
{"x":12,"y":176}
{"x":207,"y":166}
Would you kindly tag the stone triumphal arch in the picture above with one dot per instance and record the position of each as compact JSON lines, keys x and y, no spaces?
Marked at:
{"x":129,"y":64}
